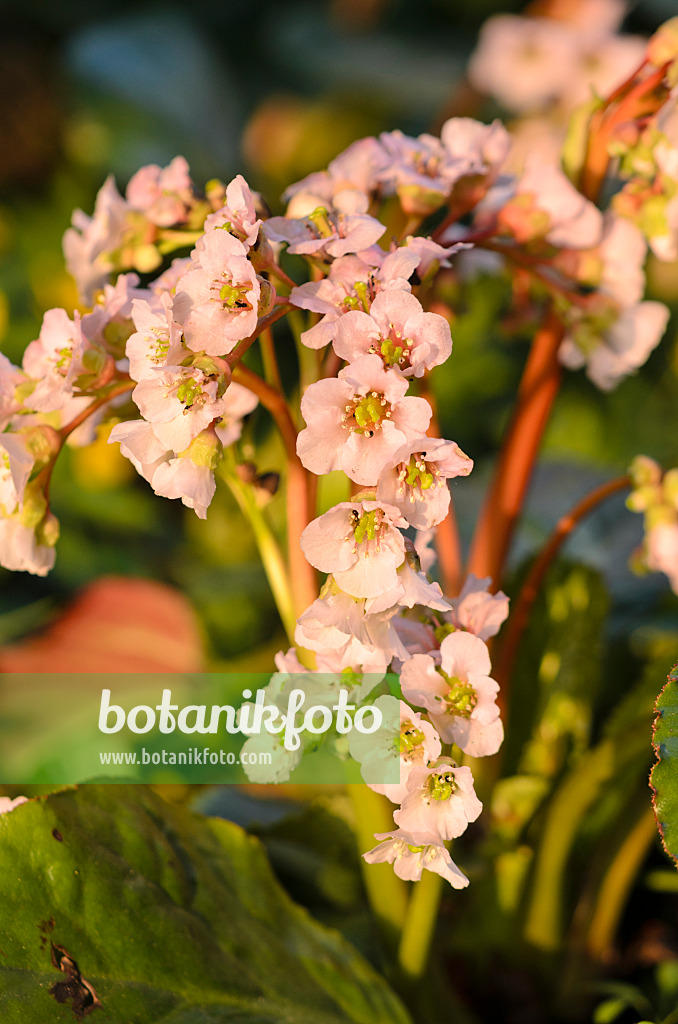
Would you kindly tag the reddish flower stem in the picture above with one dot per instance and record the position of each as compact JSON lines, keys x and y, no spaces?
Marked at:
{"x":299,"y":511}
{"x":520,"y":612}
{"x":536,"y":394}
{"x":262,"y":325}
{"x":447,"y":541}
{"x":113,"y":392}
{"x":632,"y":104}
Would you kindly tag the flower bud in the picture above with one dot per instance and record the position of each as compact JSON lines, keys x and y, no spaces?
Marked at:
{"x":266,"y":298}
{"x":43,"y":443}
{"x":663,"y":45}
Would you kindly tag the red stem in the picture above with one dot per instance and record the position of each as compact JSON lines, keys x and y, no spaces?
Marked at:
{"x":262,"y":325}
{"x":604,"y":122}
{"x":447,"y":541}
{"x":522,"y":607}
{"x":119,"y":389}
{"x":536,"y":394}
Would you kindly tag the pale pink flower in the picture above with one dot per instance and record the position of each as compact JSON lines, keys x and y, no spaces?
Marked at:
{"x":431,"y":255}
{"x":162,"y":194}
{"x":28,"y":531}
{"x":398,"y":331}
{"x":87,"y":245}
{"x":476,"y":610}
{"x":10,"y":378}
{"x":109,"y":323}
{"x":417,"y":637}
{"x":352,"y":283}
{"x":190,"y":476}
{"x":344,"y":227}
{"x":139,"y":444}
{"x":16,"y":465}
{"x":622,"y":251}
{"x":167,"y":281}
{"x":416,"y":480}
{"x":554,"y":210}
{"x":238,"y":215}
{"x":180,"y":402}
{"x":440,"y":800}
{"x":338,"y":626}
{"x":622,"y":348}
{"x":458,"y":694}
{"x":524,"y":63}
{"x":360,"y":543}
{"x":412,"y":588}
{"x":422,"y":171}
{"x":357,"y":168}
{"x":661,"y":551}
{"x":22,"y":547}
{"x":411,"y":854}
{"x":483,"y":147}
{"x":7,"y":804}
{"x":426,"y":553}
{"x":156,"y":340}
{"x":55,"y":360}
{"x":357,"y":421}
{"x":404,"y":733}
{"x":217,"y":300}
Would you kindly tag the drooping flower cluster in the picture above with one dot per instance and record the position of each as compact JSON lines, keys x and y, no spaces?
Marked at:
{"x":376,"y":234}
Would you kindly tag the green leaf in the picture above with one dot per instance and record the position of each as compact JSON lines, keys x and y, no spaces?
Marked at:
{"x":664,"y":777}
{"x":169,"y":917}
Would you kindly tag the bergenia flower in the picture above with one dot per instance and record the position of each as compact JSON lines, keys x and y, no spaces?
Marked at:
{"x":217,"y":300}
{"x":403,"y":734}
{"x":352,"y":283}
{"x":477,"y":610}
{"x":412,"y":854}
{"x":357,"y":421}
{"x":397,"y":330}
{"x":440,"y":800}
{"x":458,"y":693}
{"x":337,"y":625}
{"x":88,"y":244}
{"x":156,"y":340}
{"x":180,"y":401}
{"x":343,"y":228}
{"x":238,"y":215}
{"x":7,"y":804}
{"x":162,"y":194}
{"x":360,"y":543}
{"x":416,"y":480}
{"x":55,"y":360}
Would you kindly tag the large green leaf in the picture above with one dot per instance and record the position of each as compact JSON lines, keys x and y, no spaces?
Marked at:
{"x":169,"y":916}
{"x":664,"y":777}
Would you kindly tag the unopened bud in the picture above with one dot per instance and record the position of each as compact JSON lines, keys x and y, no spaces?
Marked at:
{"x":266,"y":297}
{"x":47,"y":532}
{"x":205,"y":450}
{"x":644,"y":470}
{"x":671,"y":487}
{"x":146,"y":259}
{"x":42,"y":442}
{"x":663,"y":45}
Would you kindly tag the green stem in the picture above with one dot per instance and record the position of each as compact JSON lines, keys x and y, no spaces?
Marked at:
{"x":420,"y":922}
{"x":617,"y":883}
{"x":387,"y":894}
{"x":269,"y":551}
